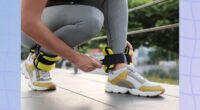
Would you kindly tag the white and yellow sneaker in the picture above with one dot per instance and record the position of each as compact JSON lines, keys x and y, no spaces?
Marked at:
{"x":128,"y":80}
{"x":38,"y":80}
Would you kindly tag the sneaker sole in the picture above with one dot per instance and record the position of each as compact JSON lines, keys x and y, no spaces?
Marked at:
{"x":37,"y":88}
{"x":24,"y":72}
{"x":117,"y":89}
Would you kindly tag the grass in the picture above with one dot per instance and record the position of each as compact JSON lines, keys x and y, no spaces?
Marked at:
{"x":163,"y":80}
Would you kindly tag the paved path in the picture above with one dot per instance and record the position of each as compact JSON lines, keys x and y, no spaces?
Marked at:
{"x":86,"y":92}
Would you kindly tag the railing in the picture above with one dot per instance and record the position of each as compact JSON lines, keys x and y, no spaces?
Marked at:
{"x":143,"y":30}
{"x":147,"y":5}
{"x":170,"y":26}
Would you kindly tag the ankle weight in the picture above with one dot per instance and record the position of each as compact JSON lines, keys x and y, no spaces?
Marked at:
{"x":45,"y":62}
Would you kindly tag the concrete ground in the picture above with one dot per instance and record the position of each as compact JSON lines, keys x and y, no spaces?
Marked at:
{"x":85,"y":91}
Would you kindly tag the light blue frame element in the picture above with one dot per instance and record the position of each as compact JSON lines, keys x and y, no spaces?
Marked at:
{"x":10,"y":54}
{"x":190,"y":54}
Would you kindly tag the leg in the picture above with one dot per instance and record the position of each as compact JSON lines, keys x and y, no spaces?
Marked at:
{"x":125,"y":78}
{"x":116,"y":23}
{"x":74,"y":24}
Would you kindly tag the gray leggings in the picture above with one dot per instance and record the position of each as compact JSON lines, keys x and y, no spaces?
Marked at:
{"x":75,"y":24}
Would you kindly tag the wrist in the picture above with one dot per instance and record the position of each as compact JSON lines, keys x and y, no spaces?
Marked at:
{"x":73,"y":57}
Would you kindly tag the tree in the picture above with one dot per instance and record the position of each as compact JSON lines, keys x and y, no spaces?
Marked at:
{"x":157,"y":15}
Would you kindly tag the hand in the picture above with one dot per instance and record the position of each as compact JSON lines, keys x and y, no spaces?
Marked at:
{"x":129,"y":45}
{"x":86,"y":63}
{"x":131,"y":49}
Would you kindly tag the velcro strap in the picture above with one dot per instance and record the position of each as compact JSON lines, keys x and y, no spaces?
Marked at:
{"x":42,"y":59}
{"x":32,"y":50}
{"x":114,"y":59}
{"x":128,"y":53}
{"x":128,"y":58}
{"x":45,"y":62}
{"x":35,"y":49}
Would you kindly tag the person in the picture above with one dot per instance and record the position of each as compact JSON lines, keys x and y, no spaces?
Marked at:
{"x":51,"y":28}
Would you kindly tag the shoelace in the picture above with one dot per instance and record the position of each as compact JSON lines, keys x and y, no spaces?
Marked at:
{"x":41,"y":75}
{"x":44,"y":75}
{"x":132,"y":70}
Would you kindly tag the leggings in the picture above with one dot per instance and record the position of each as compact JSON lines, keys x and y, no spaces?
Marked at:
{"x":78,"y":23}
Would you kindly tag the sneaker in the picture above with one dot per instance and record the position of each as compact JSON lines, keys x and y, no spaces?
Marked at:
{"x":38,"y":80}
{"x":128,"y":80}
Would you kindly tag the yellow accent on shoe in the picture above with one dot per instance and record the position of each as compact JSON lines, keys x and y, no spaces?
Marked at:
{"x":120,"y":77}
{"x":126,"y":84}
{"x":151,"y":89}
{"x":30,"y":67}
{"x":49,"y":86}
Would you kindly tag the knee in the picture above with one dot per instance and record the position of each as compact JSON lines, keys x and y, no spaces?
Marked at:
{"x":93,"y":22}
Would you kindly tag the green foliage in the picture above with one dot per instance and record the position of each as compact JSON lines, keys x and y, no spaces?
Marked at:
{"x":134,"y":3}
{"x":157,"y":15}
{"x":84,"y":48}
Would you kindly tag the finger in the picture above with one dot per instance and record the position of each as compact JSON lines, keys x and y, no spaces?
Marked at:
{"x":97,"y":64}
{"x":87,"y":55}
{"x":129,"y":45}
{"x":83,"y":68}
{"x":88,"y":68}
{"x":100,"y":62}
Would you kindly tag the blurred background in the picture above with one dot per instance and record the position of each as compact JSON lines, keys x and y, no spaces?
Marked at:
{"x":154,"y":34}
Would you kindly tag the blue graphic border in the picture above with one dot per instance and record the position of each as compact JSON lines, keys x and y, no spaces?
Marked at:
{"x":9,"y":54}
{"x":190,"y":54}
